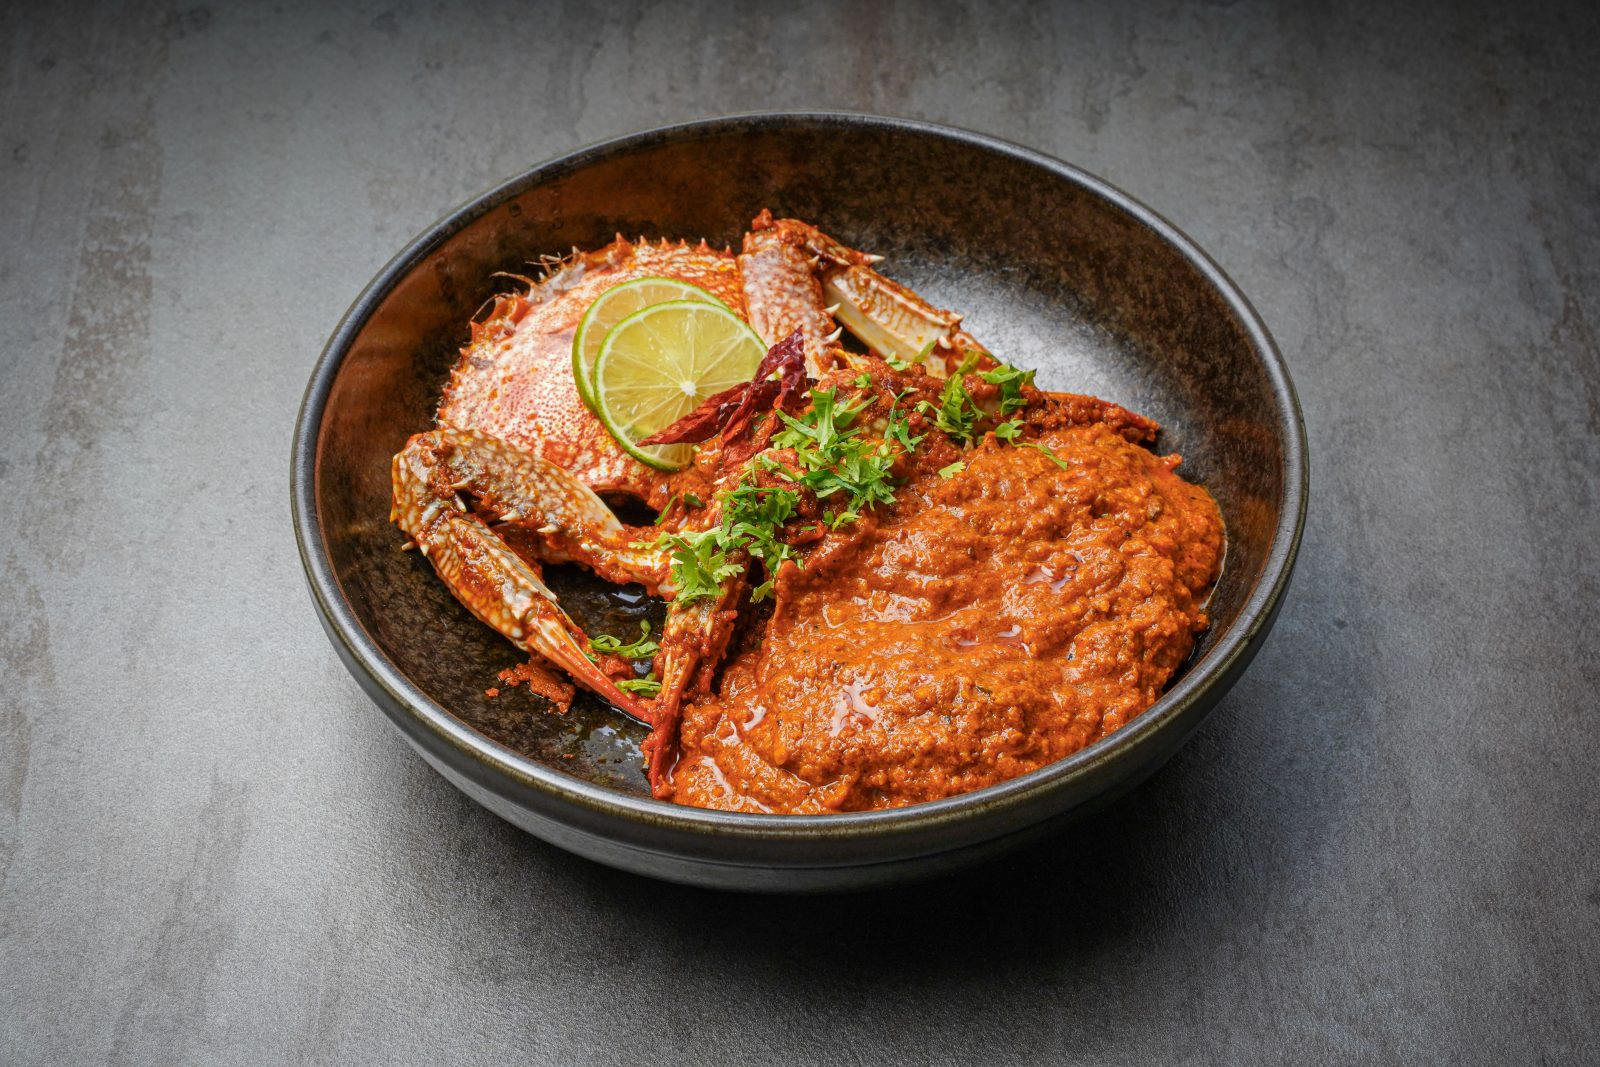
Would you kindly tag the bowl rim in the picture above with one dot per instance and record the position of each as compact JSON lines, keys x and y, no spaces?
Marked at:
{"x":507,"y":768}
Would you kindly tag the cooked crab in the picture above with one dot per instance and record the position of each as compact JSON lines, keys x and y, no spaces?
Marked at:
{"x":515,"y":439}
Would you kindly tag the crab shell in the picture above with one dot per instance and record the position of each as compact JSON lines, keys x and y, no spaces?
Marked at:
{"x":514,"y":380}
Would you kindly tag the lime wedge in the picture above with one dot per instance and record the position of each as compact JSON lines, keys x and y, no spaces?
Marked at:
{"x":659,"y":364}
{"x":610,"y":308}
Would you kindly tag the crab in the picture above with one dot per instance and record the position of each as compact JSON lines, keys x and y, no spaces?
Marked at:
{"x":536,"y":467}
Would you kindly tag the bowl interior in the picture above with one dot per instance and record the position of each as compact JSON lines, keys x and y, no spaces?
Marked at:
{"x":1049,"y":272}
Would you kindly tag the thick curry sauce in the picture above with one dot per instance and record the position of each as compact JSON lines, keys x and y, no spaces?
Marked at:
{"x":991,"y":621}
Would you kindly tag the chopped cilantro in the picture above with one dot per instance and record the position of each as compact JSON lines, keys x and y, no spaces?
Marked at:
{"x":1057,"y":460}
{"x":920,"y":357}
{"x":1010,"y":380}
{"x":689,"y":501}
{"x":899,"y":429}
{"x":751,"y":518}
{"x":956,"y":414}
{"x":1012,"y":432}
{"x":640,"y":649}
{"x":699,"y":563}
{"x":820,"y":427}
{"x":951,"y":471}
{"x":833,"y":459}
{"x":646,"y":686}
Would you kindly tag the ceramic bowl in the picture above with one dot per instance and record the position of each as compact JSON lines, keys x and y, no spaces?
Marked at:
{"x":1054,"y":268}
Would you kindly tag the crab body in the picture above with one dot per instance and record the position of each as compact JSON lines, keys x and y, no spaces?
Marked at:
{"x":514,"y":380}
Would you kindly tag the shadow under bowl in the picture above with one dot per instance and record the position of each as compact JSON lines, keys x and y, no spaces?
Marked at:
{"x":1053,"y":268}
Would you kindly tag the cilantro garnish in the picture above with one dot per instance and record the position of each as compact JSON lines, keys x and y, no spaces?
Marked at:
{"x":835,"y":458}
{"x":646,"y":686}
{"x":1012,"y":432}
{"x":640,"y":649}
{"x":899,"y":429}
{"x":1010,"y":380}
{"x":1049,"y":453}
{"x":689,"y":501}
{"x":820,"y":427}
{"x":956,"y":414}
{"x":752,"y":515}
{"x":832,"y":459}
{"x":699,"y":562}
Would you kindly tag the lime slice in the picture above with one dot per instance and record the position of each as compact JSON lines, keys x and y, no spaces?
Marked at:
{"x":659,"y":364}
{"x":610,"y":308}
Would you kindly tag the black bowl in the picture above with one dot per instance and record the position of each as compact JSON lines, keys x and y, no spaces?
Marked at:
{"x":1054,"y":268}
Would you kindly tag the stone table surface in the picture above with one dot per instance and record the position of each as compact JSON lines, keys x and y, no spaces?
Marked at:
{"x":1381,"y":848}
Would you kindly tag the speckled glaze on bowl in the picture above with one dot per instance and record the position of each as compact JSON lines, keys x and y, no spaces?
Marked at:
{"x":1054,"y":269}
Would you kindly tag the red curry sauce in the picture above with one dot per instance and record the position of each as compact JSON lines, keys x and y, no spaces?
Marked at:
{"x":986,"y":625}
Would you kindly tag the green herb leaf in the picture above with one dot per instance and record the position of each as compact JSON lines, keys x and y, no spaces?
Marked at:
{"x":899,"y":430}
{"x":646,"y":686}
{"x":752,"y":517}
{"x":1012,"y":432}
{"x":699,"y":564}
{"x":1010,"y":380}
{"x":956,"y":414}
{"x":832,"y":459}
{"x":1057,"y":460}
{"x":835,"y":459}
{"x":640,"y":649}
{"x":820,"y":427}
{"x":951,"y":471}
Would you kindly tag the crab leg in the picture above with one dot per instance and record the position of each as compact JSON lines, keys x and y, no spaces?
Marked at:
{"x":498,"y":586}
{"x":894,"y":321}
{"x":692,"y":643}
{"x":783,"y":293}
{"x":513,"y":485}
{"x":886,"y":316}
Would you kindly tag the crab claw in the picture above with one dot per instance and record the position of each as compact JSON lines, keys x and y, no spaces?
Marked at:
{"x":497,"y":585}
{"x":692,"y":643}
{"x":783,"y":293}
{"x":883,"y":314}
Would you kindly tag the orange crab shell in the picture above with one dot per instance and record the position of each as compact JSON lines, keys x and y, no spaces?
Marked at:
{"x":514,"y":379}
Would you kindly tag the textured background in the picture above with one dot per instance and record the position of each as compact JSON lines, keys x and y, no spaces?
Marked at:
{"x":1382,"y":846}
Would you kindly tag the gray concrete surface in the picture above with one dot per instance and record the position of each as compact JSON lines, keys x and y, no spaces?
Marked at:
{"x":1381,"y":849}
